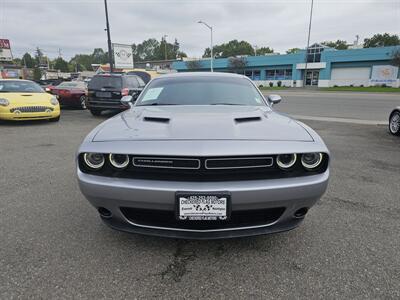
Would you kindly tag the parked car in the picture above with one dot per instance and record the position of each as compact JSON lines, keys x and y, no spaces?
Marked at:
{"x":146,"y":75}
{"x":106,"y":90}
{"x":394,"y":121}
{"x":26,"y":100}
{"x":49,"y":84}
{"x":202,"y":155}
{"x":71,"y":93}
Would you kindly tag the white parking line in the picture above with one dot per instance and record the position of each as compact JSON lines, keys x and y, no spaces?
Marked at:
{"x":340,"y":120}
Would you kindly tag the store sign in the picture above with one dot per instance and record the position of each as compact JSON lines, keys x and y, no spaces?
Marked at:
{"x":5,"y":50}
{"x":384,"y":74}
{"x":123,"y":57}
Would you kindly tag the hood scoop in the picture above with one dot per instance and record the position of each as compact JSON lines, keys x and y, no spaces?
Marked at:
{"x":156,"y":119}
{"x":247,"y":119}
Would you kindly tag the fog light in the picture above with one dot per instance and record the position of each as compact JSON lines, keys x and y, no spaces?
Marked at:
{"x":119,"y":161}
{"x":286,"y":161}
{"x":94,"y":160}
{"x":311,"y":160}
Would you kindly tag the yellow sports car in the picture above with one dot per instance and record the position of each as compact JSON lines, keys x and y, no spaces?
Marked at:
{"x":26,"y":100}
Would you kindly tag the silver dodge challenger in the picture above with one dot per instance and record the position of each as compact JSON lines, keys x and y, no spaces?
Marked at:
{"x":202,"y":156}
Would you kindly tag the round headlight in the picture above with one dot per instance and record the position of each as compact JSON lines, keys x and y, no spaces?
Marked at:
{"x":311,"y":160}
{"x":4,"y":102}
{"x":286,"y":161}
{"x":119,"y":161}
{"x":94,"y":160}
{"x":54,"y":100}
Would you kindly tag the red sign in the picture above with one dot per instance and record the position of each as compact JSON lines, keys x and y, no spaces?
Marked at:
{"x":4,"y":44}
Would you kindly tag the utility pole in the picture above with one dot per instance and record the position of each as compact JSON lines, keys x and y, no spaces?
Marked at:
{"x":110,"y":57}
{"x":59,"y":53}
{"x":308,"y":44}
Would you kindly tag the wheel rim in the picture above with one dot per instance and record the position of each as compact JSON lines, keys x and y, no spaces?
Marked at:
{"x":83,"y":102}
{"x":395,"y":122}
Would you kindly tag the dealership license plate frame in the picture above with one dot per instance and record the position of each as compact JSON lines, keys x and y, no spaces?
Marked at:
{"x":203,"y":218}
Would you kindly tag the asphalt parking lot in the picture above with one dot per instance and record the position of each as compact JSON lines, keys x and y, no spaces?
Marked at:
{"x":53,"y":245}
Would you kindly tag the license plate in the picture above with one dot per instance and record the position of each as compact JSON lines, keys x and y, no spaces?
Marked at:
{"x":103,"y":94}
{"x":203,"y":206}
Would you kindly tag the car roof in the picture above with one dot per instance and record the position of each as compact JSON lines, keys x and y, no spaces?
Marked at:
{"x":15,"y":79}
{"x":202,"y":74}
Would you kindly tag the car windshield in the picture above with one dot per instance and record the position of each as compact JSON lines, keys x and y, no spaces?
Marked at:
{"x":110,"y":82}
{"x":80,"y":85}
{"x":201,"y":90}
{"x":15,"y":86}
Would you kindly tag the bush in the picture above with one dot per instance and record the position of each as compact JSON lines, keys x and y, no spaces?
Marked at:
{"x":361,"y":85}
{"x":335,"y":85}
{"x":260,"y":86}
{"x":351,"y":85}
{"x":383,"y":85}
{"x":271,"y":84}
{"x":279,"y":83}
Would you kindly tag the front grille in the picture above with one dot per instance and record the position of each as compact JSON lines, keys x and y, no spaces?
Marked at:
{"x":31,"y":109}
{"x":167,"y":219}
{"x":197,"y":169}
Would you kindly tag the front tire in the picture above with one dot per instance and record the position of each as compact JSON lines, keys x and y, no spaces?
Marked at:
{"x":394,"y":123}
{"x":95,"y":112}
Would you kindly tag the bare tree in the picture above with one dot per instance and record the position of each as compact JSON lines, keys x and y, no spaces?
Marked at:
{"x":193,"y":64}
{"x":236,"y":64}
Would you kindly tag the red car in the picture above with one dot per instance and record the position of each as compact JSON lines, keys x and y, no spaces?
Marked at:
{"x":71,"y":93}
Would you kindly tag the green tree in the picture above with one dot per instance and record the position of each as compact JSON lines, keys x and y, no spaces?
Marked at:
{"x":151,"y":49}
{"x":60,"y":64}
{"x":39,"y":57}
{"x":84,"y":61}
{"x":292,"y":50}
{"x":339,"y":44}
{"x":28,"y":61}
{"x":37,"y":74}
{"x":232,"y":48}
{"x":382,"y":40}
{"x":264,"y":50}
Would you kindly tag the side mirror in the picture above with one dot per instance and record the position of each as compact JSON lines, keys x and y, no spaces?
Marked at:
{"x":274,"y":99}
{"x":127,"y":100}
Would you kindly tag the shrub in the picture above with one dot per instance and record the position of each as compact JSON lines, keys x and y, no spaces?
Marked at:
{"x":260,"y":86}
{"x":383,"y":85}
{"x":279,"y":83}
{"x":335,"y":85}
{"x":361,"y":85}
{"x":351,"y":85}
{"x":271,"y":84}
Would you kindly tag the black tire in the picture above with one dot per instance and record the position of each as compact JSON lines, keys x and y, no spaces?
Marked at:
{"x":394,"y":123}
{"x":95,"y":112}
{"x":82,"y":101}
{"x":54,"y":119}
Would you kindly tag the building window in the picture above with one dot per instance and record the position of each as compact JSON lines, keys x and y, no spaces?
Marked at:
{"x":256,"y":75}
{"x":248,"y":73}
{"x":314,"y":53}
{"x":279,"y":74}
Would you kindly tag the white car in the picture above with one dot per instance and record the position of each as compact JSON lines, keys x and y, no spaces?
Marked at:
{"x":394,"y":121}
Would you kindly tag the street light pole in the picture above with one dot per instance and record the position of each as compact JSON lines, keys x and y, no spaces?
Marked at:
{"x":212,"y":54}
{"x":308,"y":45}
{"x":165,"y":45}
{"x":110,"y":58}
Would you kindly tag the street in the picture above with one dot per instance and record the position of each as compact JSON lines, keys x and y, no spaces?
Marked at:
{"x":351,"y":105}
{"x":54,"y":245}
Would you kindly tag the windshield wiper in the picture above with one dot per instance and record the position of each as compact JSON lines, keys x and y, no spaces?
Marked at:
{"x":158,"y":104}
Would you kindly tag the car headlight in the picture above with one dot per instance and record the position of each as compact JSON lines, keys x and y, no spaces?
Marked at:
{"x":54,"y":100}
{"x":4,"y":102}
{"x":311,"y":160}
{"x":286,"y":161}
{"x":119,"y":161}
{"x":94,"y":160}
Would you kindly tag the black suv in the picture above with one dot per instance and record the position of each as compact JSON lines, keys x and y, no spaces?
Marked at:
{"x":106,"y":90}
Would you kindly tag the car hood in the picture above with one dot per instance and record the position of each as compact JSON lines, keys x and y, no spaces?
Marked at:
{"x":27,"y":99}
{"x":201,"y":123}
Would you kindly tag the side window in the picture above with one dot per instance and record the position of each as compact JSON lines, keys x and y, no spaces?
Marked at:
{"x":131,"y":82}
{"x":141,"y":82}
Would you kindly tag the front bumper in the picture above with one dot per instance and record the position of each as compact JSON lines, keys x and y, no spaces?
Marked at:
{"x":290,"y":193}
{"x":8,"y":116}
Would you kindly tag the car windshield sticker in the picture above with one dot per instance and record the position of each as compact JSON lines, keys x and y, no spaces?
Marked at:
{"x":152,"y":94}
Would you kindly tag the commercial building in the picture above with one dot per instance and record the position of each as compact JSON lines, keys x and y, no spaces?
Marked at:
{"x":324,"y":67}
